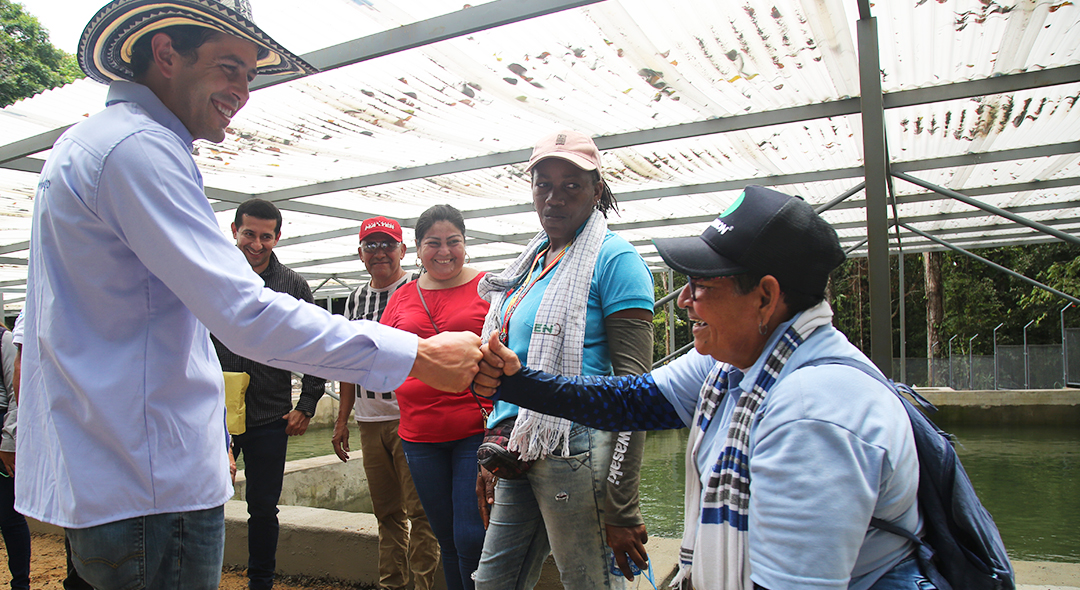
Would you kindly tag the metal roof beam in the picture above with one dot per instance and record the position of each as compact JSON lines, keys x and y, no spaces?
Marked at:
{"x":31,"y":165}
{"x":843,"y":107}
{"x":1056,"y":206}
{"x":998,"y":232}
{"x":16,"y":247}
{"x":988,"y":208}
{"x":1034,"y":185}
{"x":994,"y":265}
{"x":425,"y":32}
{"x":30,"y":145}
{"x":973,"y":159}
{"x":983,"y":87}
{"x":995,"y":85}
{"x":902,"y":200}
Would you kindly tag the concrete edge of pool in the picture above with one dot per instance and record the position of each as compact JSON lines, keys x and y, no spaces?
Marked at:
{"x":345,"y":546}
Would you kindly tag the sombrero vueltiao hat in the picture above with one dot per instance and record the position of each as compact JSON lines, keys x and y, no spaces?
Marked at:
{"x":106,"y":43}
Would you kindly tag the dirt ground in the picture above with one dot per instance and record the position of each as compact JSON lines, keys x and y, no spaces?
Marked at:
{"x":48,"y":566}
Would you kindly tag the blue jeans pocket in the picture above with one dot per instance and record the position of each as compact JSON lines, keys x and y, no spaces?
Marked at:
{"x":111,"y":555}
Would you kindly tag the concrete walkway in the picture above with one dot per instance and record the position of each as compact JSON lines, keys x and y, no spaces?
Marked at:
{"x":345,"y":546}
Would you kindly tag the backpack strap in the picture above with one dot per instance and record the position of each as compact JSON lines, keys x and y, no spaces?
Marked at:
{"x":897,"y":388}
{"x":894,"y":387}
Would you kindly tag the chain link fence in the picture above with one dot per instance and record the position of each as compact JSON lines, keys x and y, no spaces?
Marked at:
{"x":1041,"y":369}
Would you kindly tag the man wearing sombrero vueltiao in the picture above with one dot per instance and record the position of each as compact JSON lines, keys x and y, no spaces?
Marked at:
{"x":122,"y":437}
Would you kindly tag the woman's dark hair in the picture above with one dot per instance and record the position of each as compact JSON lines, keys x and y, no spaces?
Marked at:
{"x":607,"y":200}
{"x":186,"y":40}
{"x":435,"y":214}
{"x":796,"y":301}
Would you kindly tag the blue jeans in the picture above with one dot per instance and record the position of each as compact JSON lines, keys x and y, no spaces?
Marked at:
{"x":176,"y":550}
{"x":16,"y":534}
{"x":558,"y":508}
{"x":904,"y":576}
{"x":445,"y":479}
{"x":263,"y":448}
{"x":72,"y":581}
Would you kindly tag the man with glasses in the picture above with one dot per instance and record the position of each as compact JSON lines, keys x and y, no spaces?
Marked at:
{"x":271,"y":418}
{"x":402,"y":549}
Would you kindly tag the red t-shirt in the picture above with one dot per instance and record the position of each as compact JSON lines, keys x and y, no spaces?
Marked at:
{"x":427,"y":414}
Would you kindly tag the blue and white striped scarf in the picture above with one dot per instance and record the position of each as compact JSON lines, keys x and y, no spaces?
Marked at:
{"x":717,"y":517}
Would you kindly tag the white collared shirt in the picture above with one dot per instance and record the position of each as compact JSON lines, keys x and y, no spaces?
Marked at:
{"x":124,"y":408}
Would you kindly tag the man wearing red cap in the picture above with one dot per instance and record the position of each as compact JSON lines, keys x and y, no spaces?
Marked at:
{"x":402,"y":548}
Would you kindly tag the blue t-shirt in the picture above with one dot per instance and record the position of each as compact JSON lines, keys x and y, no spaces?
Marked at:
{"x":621,"y":280}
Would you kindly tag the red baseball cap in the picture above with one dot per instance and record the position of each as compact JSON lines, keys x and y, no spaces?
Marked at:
{"x":380,"y":225}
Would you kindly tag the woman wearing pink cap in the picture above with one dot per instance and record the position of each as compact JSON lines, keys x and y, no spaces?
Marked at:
{"x":577,"y":301}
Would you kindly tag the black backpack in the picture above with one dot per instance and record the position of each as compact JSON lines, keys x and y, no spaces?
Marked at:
{"x":961,"y":548}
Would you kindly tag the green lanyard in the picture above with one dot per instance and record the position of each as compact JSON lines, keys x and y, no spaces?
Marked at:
{"x":518,"y":294}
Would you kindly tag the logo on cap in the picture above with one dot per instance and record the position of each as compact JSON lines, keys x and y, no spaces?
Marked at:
{"x":379,"y":223}
{"x":719,"y":225}
{"x":560,"y":139}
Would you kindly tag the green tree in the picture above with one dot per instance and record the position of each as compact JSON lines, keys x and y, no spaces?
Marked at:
{"x":976,"y":298}
{"x":660,"y":318}
{"x":1063,"y":275}
{"x":29,"y":63}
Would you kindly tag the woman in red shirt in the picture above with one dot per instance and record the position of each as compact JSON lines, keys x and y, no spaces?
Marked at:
{"x":440,"y":432}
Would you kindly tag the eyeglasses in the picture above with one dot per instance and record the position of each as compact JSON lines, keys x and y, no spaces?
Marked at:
{"x":371,"y":247}
{"x":695,"y":284}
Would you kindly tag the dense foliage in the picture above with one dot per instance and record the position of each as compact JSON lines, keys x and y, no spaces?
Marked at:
{"x":29,"y":63}
{"x":976,"y":299}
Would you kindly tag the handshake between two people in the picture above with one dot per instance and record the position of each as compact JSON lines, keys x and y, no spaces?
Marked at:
{"x":451,"y":361}
{"x":498,"y":362}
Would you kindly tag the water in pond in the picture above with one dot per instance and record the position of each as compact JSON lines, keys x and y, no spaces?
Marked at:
{"x":1028,"y":478}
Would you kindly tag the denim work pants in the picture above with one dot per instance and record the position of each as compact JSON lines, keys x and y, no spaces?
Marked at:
{"x":904,"y":576}
{"x":558,"y":508}
{"x":445,"y":478}
{"x":72,"y":581}
{"x":263,"y":449}
{"x":405,"y":552}
{"x":176,"y":550}
{"x":16,"y":534}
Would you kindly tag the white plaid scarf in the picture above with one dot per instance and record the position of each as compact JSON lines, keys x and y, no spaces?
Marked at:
{"x":717,"y":527}
{"x":560,"y":351}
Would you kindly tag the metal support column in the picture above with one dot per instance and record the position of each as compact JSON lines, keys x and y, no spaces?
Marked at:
{"x":875,"y":167}
{"x":971,"y":363}
{"x":952,"y":382}
{"x":670,"y":314}
{"x":996,"y":355}
{"x":902,"y":302}
{"x":1064,"y":349}
{"x":1027,"y":365}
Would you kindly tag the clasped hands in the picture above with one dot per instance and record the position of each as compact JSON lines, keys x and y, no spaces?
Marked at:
{"x":498,"y":362}
{"x":450,"y":361}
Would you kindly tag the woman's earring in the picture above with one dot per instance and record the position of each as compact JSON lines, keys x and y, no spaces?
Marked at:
{"x":468,"y":259}
{"x":761,"y":328}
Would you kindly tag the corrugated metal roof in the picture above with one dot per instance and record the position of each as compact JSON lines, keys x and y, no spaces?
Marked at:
{"x":398,"y":133}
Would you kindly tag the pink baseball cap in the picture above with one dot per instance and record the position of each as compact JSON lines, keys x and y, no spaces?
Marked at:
{"x":573,"y":146}
{"x":380,"y":225}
